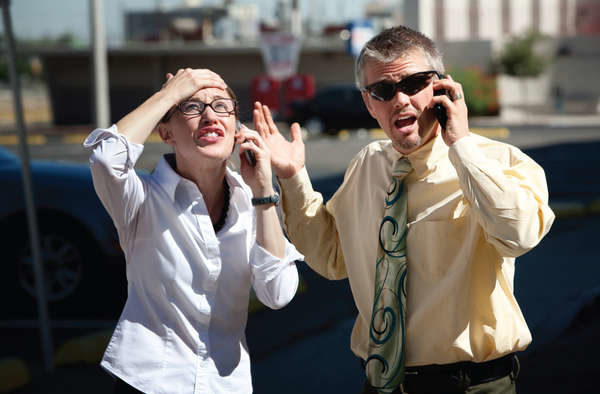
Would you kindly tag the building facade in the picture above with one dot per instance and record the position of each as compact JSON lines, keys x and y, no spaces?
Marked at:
{"x":572,"y":45}
{"x":498,"y":20}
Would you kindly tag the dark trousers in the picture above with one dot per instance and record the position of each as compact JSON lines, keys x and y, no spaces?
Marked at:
{"x":123,"y":388}
{"x":491,"y":377}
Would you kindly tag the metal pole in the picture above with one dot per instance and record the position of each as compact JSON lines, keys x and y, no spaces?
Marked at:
{"x":101,"y":92}
{"x":295,"y":19}
{"x":38,"y":267}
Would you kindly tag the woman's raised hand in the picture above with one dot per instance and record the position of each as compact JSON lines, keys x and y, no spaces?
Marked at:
{"x":139,"y":123}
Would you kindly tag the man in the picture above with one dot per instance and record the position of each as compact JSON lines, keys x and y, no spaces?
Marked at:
{"x":436,"y":310}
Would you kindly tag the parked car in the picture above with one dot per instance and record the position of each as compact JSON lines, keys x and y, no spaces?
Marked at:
{"x":333,"y":108}
{"x":83,"y":263}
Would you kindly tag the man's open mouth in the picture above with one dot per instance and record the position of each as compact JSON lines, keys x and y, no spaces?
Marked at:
{"x":405,"y":121}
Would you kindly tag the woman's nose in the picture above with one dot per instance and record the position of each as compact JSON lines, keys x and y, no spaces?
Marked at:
{"x":209,"y":115}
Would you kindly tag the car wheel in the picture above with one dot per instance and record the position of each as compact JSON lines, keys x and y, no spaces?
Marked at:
{"x":63,"y":266}
{"x":74,"y":274}
{"x":314,"y":126}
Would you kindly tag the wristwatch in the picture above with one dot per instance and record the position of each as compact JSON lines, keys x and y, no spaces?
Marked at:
{"x":272,"y":199}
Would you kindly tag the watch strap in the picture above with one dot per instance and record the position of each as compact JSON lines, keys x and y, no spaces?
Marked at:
{"x":272,"y":199}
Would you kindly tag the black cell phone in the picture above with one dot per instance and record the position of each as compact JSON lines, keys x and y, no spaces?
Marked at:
{"x":248,"y":154}
{"x":439,"y":110}
{"x":250,"y":157}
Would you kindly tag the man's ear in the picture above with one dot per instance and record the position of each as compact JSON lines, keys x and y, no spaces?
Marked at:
{"x":367,"y":101}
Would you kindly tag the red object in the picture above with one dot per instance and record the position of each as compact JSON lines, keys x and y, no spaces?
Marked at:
{"x":298,"y":87}
{"x":266,"y":90}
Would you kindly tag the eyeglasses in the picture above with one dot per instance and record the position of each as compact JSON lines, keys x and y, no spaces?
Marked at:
{"x":196,"y":108}
{"x":386,"y":90}
{"x":219,"y":105}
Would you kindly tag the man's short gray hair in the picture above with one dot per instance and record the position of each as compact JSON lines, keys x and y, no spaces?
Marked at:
{"x":393,"y":43}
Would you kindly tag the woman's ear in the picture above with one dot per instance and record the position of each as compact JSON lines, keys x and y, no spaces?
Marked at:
{"x":165,"y":134}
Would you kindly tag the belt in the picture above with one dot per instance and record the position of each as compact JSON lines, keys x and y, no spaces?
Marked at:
{"x":458,"y":376}
{"x":452,"y":378}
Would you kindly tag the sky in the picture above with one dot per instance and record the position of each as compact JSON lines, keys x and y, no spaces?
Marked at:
{"x":32,"y":19}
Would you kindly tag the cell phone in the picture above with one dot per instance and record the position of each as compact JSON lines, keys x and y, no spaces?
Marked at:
{"x":250,"y":157}
{"x":439,"y":110}
{"x":248,"y":154}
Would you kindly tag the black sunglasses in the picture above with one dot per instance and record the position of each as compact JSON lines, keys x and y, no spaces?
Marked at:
{"x":386,"y":90}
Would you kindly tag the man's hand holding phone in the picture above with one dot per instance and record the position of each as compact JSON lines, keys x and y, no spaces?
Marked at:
{"x":450,"y":109}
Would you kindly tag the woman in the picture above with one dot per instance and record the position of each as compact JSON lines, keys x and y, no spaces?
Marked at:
{"x":196,"y":236}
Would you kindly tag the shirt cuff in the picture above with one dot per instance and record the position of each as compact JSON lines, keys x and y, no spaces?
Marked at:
{"x":113,"y":137}
{"x":265,"y":266}
{"x":294,"y":188}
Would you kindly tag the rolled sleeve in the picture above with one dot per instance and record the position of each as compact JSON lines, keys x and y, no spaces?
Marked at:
{"x":113,"y":149}
{"x":274,"y":280}
{"x":112,"y":164}
{"x":265,"y":266}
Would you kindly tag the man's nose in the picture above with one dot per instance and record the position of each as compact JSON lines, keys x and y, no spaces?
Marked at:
{"x":400,"y":99}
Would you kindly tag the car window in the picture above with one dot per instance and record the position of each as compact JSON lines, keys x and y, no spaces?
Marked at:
{"x":327,"y":96}
{"x":338,"y":97}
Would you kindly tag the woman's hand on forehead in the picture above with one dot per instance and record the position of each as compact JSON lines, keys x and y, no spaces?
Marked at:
{"x":207,"y":95}
{"x":187,"y":82}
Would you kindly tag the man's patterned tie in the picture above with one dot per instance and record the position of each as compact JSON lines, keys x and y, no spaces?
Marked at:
{"x":385,"y":362}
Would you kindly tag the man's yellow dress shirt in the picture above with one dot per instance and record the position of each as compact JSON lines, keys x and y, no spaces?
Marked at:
{"x":472,"y":208}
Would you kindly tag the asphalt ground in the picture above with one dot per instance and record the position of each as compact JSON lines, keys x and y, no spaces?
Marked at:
{"x":304,"y":348}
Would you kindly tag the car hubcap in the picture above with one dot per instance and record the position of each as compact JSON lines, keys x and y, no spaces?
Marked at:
{"x":62,"y":267}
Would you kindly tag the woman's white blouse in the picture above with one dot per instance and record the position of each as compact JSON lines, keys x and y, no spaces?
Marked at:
{"x":183,"y":326}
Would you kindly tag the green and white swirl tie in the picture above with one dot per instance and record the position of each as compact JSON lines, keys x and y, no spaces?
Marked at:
{"x":385,"y":362}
